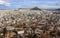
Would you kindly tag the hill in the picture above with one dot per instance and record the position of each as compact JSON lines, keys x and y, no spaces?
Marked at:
{"x":35,"y":8}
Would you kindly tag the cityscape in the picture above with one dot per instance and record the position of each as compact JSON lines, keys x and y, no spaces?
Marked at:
{"x":33,"y":23}
{"x":29,"y":18}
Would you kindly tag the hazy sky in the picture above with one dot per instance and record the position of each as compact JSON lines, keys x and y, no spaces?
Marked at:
{"x":13,"y":4}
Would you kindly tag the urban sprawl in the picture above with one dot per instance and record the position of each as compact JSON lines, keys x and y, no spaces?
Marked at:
{"x":29,"y":24}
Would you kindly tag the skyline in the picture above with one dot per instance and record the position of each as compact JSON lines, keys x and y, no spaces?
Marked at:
{"x":43,"y":4}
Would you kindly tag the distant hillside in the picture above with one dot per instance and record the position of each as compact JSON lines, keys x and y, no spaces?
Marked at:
{"x":53,"y":9}
{"x":58,"y":9}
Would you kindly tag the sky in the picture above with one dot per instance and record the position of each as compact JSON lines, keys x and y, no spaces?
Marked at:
{"x":43,"y":4}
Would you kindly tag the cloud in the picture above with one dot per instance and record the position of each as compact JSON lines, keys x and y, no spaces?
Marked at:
{"x":48,"y":6}
{"x":31,"y":3}
{"x":54,"y":6}
{"x":4,"y":3}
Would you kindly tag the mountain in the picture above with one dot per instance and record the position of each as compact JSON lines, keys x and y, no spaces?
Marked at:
{"x":58,"y":9}
{"x":53,"y":9}
{"x":35,"y":8}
